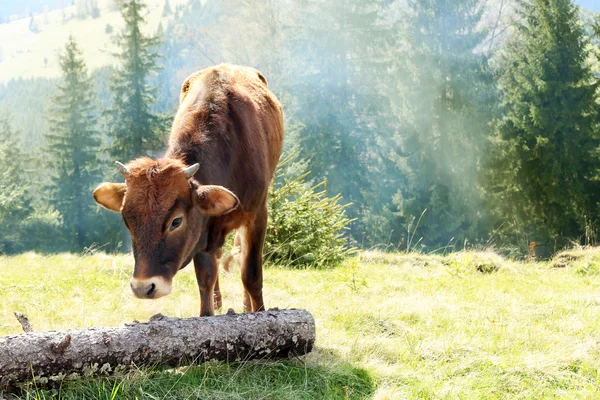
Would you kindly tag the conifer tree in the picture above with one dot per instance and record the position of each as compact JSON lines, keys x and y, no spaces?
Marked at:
{"x":33,"y":27}
{"x":342,"y":110}
{"x":445,"y":102}
{"x":15,"y":199}
{"x":166,"y":9}
{"x":545,"y":171}
{"x":133,"y":128}
{"x":73,"y":146}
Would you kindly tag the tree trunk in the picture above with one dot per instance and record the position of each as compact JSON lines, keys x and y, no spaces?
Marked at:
{"x":163,"y":341}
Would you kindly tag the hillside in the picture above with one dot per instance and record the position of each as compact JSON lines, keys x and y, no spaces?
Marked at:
{"x":28,"y":54}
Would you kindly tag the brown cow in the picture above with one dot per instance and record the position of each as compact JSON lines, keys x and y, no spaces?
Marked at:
{"x":224,"y":146}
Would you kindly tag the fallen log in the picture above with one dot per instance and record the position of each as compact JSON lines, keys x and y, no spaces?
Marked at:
{"x":163,"y":341}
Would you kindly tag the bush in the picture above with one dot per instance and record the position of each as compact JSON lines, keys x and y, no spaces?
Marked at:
{"x":40,"y":232}
{"x":306,"y":227}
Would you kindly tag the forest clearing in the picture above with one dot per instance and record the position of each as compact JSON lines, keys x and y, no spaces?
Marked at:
{"x":319,"y":131}
{"x":467,"y":325}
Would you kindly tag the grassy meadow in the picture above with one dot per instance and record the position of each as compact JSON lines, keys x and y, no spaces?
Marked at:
{"x":389,"y":326}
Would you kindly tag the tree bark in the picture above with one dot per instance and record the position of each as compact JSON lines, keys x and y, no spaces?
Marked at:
{"x":163,"y":341}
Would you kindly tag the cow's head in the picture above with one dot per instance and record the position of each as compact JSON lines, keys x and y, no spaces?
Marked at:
{"x":165,"y":210}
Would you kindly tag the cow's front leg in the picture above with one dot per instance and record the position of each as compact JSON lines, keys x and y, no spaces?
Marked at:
{"x":207,"y":273}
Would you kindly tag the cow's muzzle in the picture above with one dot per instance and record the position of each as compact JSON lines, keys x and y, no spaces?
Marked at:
{"x":150,"y":288}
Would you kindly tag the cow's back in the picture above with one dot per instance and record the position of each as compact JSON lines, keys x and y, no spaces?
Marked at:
{"x":230,"y":123}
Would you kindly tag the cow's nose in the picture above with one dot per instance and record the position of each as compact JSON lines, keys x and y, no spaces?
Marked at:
{"x":151,"y":288}
{"x":144,"y":292}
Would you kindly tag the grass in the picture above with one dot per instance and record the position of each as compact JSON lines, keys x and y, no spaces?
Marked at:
{"x":468,"y":325}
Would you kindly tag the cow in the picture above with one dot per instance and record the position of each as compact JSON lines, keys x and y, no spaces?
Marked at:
{"x":224,"y":146}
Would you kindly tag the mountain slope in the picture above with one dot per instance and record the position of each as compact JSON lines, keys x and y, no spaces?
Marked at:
{"x":25,"y":53}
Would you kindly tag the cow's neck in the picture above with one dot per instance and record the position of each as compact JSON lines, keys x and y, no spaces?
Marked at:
{"x":187,"y":147}
{"x":213,"y":169}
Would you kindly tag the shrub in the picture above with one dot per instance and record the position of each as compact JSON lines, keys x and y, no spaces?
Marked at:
{"x":40,"y":231}
{"x":306,"y":227}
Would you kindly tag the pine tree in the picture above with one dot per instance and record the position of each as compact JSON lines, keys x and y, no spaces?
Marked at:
{"x":166,"y":9}
{"x":33,"y":27}
{"x":73,"y":146}
{"x":15,"y":199}
{"x":445,"y":102}
{"x":133,"y":128}
{"x":339,"y":104}
{"x":546,"y":164}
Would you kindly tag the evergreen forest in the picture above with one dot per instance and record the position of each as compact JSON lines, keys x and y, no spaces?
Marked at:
{"x":439,"y":125}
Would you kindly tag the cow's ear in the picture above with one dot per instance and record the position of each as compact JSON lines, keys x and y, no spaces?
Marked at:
{"x":215,"y":200}
{"x":110,"y":195}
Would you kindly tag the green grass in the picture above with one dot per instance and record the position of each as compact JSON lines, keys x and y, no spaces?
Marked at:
{"x":468,"y":325}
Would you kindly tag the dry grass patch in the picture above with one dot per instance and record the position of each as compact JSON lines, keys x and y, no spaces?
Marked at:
{"x":485,"y":262}
{"x":585,"y":260}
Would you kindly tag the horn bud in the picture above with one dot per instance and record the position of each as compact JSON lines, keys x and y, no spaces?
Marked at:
{"x":191,"y":170}
{"x":122,"y":169}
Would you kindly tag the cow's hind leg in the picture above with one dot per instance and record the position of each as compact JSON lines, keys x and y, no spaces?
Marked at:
{"x":241,"y":234}
{"x":233,"y":255}
{"x":253,"y":238}
{"x":218,"y":298}
{"x":207,"y":275}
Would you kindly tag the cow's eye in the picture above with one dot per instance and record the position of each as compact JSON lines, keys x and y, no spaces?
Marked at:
{"x":176,"y":222}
